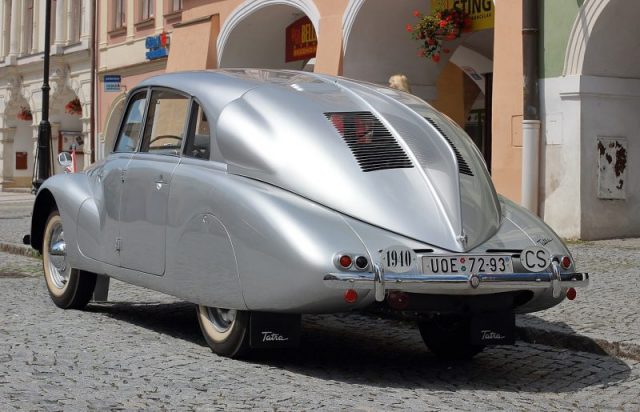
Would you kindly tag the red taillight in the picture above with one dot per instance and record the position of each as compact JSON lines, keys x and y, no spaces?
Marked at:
{"x":571,"y":294}
{"x":345,"y":261}
{"x":565,"y":262}
{"x":350,"y":296}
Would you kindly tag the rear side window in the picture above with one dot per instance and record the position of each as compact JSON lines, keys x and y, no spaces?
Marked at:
{"x":166,"y":119}
{"x":198,"y":138}
{"x":131,"y":130}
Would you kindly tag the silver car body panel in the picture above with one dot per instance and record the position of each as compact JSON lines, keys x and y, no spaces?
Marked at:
{"x":259,"y":224}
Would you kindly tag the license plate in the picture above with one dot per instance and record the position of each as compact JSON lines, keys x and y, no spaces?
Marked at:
{"x":450,"y":264}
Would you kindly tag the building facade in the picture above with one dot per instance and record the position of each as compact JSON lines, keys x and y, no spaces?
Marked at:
{"x":589,"y":83}
{"x":21,"y":78}
{"x":590,"y":96}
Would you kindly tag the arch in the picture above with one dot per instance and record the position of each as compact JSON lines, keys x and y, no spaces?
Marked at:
{"x":112,"y":122}
{"x":249,"y":7}
{"x":349,"y":18}
{"x":580,"y":32}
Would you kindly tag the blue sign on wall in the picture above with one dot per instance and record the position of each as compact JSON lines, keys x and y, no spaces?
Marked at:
{"x":112,"y":82}
{"x":157,"y":46}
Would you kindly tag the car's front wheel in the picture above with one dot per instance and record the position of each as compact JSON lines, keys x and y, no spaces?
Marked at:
{"x":448,"y":337}
{"x":69,"y":288}
{"x":225,"y":330}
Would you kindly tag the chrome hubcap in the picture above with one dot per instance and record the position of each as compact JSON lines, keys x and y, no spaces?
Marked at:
{"x":58,"y":267}
{"x":221,"y":319}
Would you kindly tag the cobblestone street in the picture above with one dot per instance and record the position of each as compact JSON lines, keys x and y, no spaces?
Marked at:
{"x":144,"y":350}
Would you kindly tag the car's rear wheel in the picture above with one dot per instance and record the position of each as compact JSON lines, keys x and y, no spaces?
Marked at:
{"x":225,"y":330}
{"x":448,"y":337}
{"x":69,"y":288}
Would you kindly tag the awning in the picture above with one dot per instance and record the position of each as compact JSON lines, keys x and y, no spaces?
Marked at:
{"x":193,"y":44}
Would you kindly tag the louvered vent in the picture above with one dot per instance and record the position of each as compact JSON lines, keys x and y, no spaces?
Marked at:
{"x":463,"y":166}
{"x":371,"y":143}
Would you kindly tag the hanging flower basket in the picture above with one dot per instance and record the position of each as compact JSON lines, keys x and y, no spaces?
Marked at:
{"x":73,"y":107}
{"x":432,"y":30}
{"x":25,"y":114}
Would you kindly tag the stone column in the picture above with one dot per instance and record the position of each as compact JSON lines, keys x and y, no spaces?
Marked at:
{"x":3,"y":35}
{"x":60,"y":27}
{"x":72,"y":23}
{"x":87,"y":23}
{"x":24,"y":30}
{"x":14,"y":42}
{"x":6,"y":155}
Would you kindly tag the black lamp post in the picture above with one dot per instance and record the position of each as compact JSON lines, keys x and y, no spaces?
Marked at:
{"x":43,"y":154}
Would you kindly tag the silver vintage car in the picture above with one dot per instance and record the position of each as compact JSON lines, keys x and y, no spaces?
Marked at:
{"x":263,"y":195}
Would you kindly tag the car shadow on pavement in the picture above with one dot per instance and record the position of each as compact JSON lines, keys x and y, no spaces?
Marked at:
{"x":356,"y":348}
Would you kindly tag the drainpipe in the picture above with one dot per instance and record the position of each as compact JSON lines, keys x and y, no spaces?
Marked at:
{"x":94,"y":53}
{"x":531,"y":119}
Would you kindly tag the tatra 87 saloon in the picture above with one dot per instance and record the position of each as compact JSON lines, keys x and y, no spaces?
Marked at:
{"x":263,"y":195}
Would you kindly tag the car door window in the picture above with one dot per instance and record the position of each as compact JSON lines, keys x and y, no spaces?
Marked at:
{"x":130,"y":132}
{"x":198,"y":143}
{"x":166,"y":118}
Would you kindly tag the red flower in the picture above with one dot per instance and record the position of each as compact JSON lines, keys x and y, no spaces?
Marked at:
{"x":431,"y":41}
{"x":409,"y":28}
{"x":443,"y":23}
{"x":416,"y":13}
{"x":435,"y":58}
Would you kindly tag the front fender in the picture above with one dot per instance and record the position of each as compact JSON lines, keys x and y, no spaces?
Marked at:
{"x":65,"y":193}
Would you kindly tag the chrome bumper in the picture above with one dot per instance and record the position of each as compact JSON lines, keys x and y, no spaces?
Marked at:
{"x":380,"y":282}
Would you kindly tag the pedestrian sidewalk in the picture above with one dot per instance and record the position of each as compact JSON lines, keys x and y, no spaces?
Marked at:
{"x":604,"y":318}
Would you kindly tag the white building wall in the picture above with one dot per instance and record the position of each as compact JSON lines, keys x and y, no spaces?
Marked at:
{"x":21,"y":80}
{"x":577,"y":111}
{"x":560,"y":160}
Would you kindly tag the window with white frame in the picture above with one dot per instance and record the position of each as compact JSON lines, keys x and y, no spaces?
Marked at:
{"x":175,"y":5}
{"x":147,"y":9}
{"x":119,"y":14}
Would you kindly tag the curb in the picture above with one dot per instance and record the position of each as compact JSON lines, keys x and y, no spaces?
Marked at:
{"x":524,"y":333}
{"x":17,"y":249}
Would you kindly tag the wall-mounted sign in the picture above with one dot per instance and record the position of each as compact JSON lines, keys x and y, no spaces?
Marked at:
{"x":21,"y":161}
{"x":157,"y":46}
{"x":112,"y":82}
{"x":301,"y":41}
{"x":481,"y":12}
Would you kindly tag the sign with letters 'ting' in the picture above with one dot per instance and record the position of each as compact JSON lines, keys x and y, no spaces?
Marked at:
{"x":481,"y":12}
{"x":301,"y":41}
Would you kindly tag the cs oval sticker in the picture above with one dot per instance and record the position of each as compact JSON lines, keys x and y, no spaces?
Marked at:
{"x":535,"y":258}
{"x":398,"y":259}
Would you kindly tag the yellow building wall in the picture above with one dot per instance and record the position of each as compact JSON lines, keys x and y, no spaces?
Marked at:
{"x":506,"y":165}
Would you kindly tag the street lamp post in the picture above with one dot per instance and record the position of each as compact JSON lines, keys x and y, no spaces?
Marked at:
{"x":44,"y":131}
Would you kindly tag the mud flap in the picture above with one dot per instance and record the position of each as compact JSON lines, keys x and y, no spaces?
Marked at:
{"x":497,"y":328}
{"x":274,"y":330}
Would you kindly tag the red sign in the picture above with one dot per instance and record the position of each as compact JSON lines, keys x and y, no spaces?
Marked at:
{"x":301,"y":42}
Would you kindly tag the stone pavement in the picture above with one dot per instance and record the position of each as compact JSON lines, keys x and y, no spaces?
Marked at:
{"x":605,"y":318}
{"x":143,"y":351}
